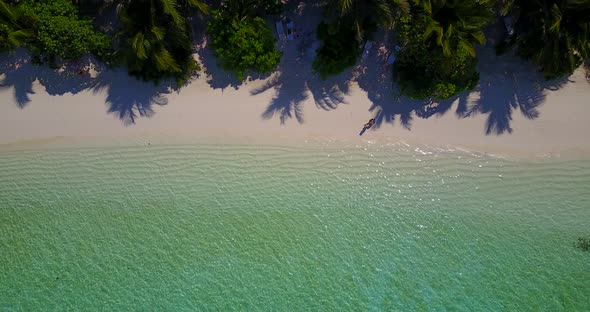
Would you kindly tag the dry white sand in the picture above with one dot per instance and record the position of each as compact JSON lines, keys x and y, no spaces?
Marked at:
{"x":512,"y":112}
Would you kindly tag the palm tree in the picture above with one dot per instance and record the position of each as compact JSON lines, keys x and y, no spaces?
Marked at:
{"x":169,"y":4}
{"x":456,"y":25}
{"x":555,"y":34}
{"x":361,"y":14}
{"x":13,"y":33}
{"x":157,"y":39}
{"x":239,"y":9}
{"x":438,"y":58}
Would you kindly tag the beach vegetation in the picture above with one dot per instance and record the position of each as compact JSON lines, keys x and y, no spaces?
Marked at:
{"x":555,"y":35}
{"x":156,"y":40}
{"x":185,"y":6}
{"x":272,"y":6}
{"x":14,"y":31}
{"x":438,"y":39}
{"x":348,"y":24}
{"x":364,"y":16}
{"x":242,"y":41}
{"x":60,"y":33}
{"x":338,"y":51}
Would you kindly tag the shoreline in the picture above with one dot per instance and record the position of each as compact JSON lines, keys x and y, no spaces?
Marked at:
{"x":312,"y":144}
{"x":527,"y":117}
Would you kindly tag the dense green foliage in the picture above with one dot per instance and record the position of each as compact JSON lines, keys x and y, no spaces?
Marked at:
{"x":350,"y":23}
{"x":13,"y":29}
{"x":339,"y":50}
{"x":437,"y":59}
{"x":438,"y":56}
{"x":272,"y":6}
{"x":364,"y":16}
{"x":157,"y":42}
{"x":555,"y":34}
{"x":60,"y":32}
{"x":243,"y":43}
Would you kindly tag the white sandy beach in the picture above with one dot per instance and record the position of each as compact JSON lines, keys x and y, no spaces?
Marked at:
{"x":525,"y":115}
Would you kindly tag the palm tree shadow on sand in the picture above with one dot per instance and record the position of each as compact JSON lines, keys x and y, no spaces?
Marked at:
{"x":294,"y":81}
{"x":216,"y":76}
{"x":293,"y":85}
{"x":507,"y":84}
{"x":374,"y":76}
{"x":126,"y":97}
{"x":18,"y":72}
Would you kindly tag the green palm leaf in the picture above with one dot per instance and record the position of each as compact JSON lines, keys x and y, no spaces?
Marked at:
{"x":169,"y":7}
{"x":437,"y":30}
{"x":140,"y":45}
{"x":165,"y":62}
{"x":344,"y":6}
{"x":556,"y":16}
{"x":466,"y":46}
{"x":199,"y":5}
{"x":478,"y":37}
{"x":6,"y":13}
{"x":19,"y":36}
{"x":158,"y":32}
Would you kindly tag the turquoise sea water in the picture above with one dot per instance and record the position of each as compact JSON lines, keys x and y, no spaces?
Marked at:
{"x":289,"y":229}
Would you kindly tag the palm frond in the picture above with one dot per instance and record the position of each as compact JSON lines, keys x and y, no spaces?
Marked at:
{"x":344,"y":6}
{"x":402,"y":5}
{"x":158,"y":32}
{"x":479,"y":37}
{"x":165,"y":62}
{"x":6,"y":13}
{"x":169,"y":7}
{"x":140,"y":45}
{"x":20,"y":35}
{"x":506,"y":7}
{"x":466,"y":46}
{"x":556,"y":16}
{"x":199,"y":5}
{"x":436,"y":29}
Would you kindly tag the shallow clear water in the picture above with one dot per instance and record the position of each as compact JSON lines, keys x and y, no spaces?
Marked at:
{"x":269,"y":228}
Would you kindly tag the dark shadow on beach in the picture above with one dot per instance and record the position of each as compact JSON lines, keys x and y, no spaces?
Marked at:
{"x":217,"y":77}
{"x":294,"y":81}
{"x":126,"y":97}
{"x":374,"y":76}
{"x":507,"y":84}
{"x":19,"y":73}
{"x":129,"y":98}
{"x":293,"y":85}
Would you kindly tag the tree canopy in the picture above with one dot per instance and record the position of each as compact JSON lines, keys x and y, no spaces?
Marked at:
{"x":14,"y":31}
{"x":555,"y":35}
{"x":363,"y":16}
{"x":437,"y":37}
{"x":438,"y":56}
{"x":338,"y":51}
{"x":157,"y":40}
{"x":60,"y":32}
{"x":242,"y":42}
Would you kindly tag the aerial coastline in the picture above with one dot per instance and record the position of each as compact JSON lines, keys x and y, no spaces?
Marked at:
{"x":512,"y":110}
{"x":199,"y":113}
{"x":330,"y":155}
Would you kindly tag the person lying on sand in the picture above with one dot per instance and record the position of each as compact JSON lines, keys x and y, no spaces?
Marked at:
{"x":370,"y":123}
